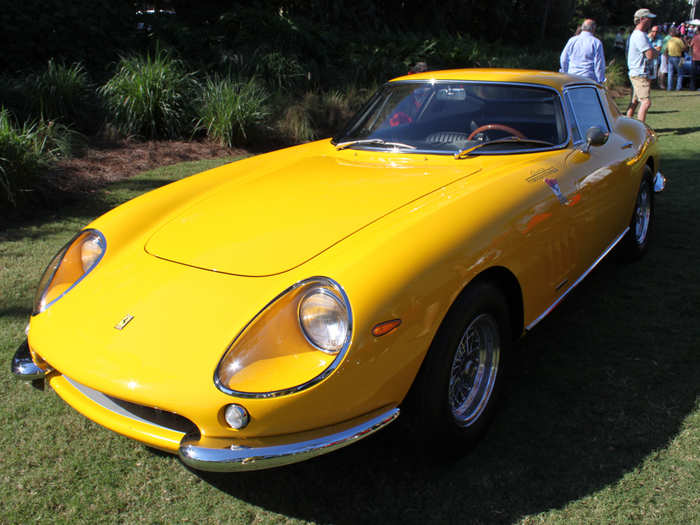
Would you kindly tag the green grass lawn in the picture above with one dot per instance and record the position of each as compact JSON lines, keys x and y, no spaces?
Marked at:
{"x":601,"y":424}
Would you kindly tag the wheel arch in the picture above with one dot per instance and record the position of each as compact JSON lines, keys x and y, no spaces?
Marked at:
{"x":509,"y":285}
{"x":652,"y":163}
{"x":503,"y":279}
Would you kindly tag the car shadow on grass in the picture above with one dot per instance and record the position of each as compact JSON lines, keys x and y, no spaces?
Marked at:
{"x":678,"y":131}
{"x":605,"y":380}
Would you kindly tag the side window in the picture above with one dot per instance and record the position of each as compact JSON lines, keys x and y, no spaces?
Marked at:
{"x":572,"y":120}
{"x":587,"y":111}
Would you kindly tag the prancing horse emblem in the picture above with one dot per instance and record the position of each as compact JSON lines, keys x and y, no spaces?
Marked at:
{"x":125,"y":321}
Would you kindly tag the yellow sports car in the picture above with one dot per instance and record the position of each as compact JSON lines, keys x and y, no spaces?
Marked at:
{"x":286,"y":305}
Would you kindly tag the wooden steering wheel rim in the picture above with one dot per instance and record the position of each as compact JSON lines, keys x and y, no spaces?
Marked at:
{"x":502,"y":127}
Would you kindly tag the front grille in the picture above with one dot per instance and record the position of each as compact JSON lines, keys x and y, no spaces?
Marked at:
{"x":159,"y":417}
{"x":144,"y":414}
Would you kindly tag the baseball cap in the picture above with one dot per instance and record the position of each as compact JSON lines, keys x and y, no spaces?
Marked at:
{"x":644,"y":13}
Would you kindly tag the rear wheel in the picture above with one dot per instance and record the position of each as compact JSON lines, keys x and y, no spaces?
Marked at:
{"x":459,"y":384}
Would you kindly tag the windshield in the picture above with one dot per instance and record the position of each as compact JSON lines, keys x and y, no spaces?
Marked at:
{"x":454,"y":117}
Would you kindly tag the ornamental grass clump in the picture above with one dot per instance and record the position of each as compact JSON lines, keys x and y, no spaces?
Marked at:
{"x":319,"y":115}
{"x":230,"y":111}
{"x":60,"y":93}
{"x":615,"y":75}
{"x":26,"y":153}
{"x":150,"y":97}
{"x":22,"y":158}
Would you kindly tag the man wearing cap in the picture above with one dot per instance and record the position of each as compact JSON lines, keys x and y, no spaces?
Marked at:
{"x":639,"y":51}
{"x":583,"y":54}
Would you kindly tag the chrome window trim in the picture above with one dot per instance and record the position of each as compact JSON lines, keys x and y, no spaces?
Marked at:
{"x":581,"y":278}
{"x":558,"y":94}
{"x":572,"y":121}
{"x":582,"y":133}
{"x":605,"y":104}
{"x":311,"y":382}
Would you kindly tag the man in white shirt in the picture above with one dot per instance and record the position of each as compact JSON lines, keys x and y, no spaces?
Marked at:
{"x":638,"y":52}
{"x":583,"y":54}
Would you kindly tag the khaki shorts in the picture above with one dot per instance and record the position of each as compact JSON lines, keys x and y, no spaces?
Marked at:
{"x":641,"y":88}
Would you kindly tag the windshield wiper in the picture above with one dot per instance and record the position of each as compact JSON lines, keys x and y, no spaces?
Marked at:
{"x":507,"y":140}
{"x":381,"y":142}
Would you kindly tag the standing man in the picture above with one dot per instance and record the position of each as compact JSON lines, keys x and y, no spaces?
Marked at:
{"x":675,"y":48}
{"x":657,"y":41}
{"x":583,"y":54}
{"x":639,"y":51}
{"x":695,"y":47}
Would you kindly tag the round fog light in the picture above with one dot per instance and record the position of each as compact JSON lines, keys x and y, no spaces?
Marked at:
{"x":236,"y":416}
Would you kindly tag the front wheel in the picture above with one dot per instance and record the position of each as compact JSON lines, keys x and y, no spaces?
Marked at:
{"x":458,"y":386}
{"x":637,"y":239}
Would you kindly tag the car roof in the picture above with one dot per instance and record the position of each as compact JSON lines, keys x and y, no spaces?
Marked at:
{"x":526,"y":76}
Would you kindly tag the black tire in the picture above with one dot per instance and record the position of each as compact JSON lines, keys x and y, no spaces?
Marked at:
{"x":636,"y":242}
{"x":458,"y":387}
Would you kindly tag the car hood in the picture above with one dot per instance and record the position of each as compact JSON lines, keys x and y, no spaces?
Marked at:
{"x":268,"y":223}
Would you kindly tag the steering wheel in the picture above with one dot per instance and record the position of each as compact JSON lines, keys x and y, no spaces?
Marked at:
{"x":502,"y":127}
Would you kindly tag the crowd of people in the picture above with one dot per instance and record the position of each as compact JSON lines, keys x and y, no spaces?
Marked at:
{"x":665,"y":53}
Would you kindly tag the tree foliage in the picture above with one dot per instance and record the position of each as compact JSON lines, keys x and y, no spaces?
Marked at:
{"x":87,"y":31}
{"x":210,"y":32}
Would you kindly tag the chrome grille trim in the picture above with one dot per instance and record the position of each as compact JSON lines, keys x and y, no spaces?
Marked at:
{"x":121,"y":408}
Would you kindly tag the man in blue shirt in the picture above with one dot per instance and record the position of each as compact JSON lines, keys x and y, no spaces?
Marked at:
{"x":639,"y":50}
{"x":583,"y":54}
{"x":657,"y":41}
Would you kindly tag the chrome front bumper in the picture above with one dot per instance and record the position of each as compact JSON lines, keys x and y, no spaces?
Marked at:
{"x":22,"y":365}
{"x":221,"y":455}
{"x":224,"y":454}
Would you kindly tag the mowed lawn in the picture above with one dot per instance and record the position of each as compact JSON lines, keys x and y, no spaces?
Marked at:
{"x":601,"y":424}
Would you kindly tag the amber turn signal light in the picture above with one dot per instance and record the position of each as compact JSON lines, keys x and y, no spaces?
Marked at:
{"x":385,"y":327}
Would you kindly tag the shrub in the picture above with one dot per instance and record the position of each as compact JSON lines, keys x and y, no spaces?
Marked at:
{"x":282,"y":71}
{"x":320,"y":114}
{"x":60,"y":93}
{"x":12,"y":95}
{"x":295,"y":124}
{"x":616,"y":75}
{"x":150,"y":97}
{"x":25,"y":154}
{"x":56,"y":93}
{"x":229,"y":111}
{"x":22,"y":158}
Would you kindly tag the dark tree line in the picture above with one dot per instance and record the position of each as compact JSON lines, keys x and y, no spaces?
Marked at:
{"x":95,"y":32}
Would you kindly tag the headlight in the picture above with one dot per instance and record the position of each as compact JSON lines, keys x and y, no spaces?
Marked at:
{"x":73,"y":262}
{"x":324,"y":320}
{"x":297,"y":340}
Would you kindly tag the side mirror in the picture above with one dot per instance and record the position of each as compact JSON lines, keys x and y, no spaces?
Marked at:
{"x":594,"y":137}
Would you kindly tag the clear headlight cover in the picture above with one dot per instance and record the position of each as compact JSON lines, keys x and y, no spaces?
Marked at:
{"x":70,"y":265}
{"x":297,"y":340}
{"x":324,"y":320}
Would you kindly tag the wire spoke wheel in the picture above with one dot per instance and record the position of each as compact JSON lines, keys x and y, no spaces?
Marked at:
{"x":642,"y":214}
{"x":474,"y":370}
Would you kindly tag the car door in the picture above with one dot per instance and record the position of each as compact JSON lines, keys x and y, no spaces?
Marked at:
{"x":598,"y":174}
